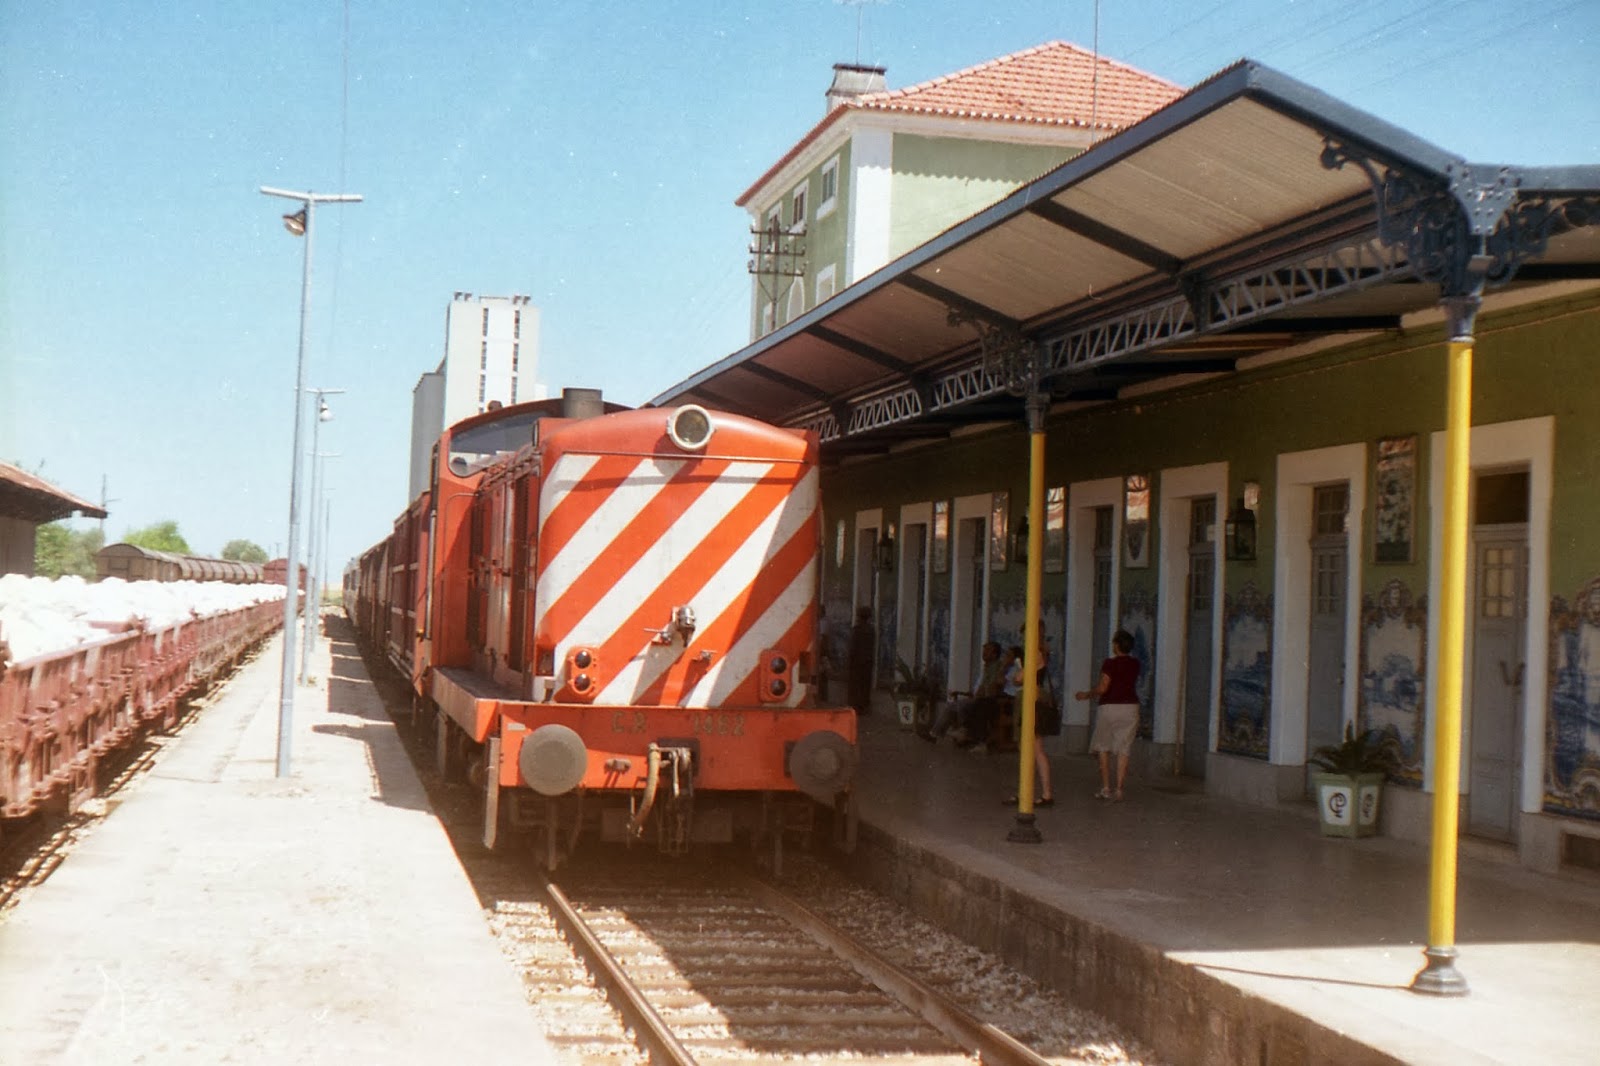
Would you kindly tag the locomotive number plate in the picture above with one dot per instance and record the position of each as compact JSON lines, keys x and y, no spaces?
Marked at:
{"x":710,"y":724}
{"x":725,"y":725}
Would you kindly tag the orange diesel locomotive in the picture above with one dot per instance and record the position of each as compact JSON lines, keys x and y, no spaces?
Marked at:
{"x":609,"y":618}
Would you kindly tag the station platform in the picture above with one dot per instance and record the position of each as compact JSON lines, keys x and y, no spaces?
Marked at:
{"x":1224,"y":933}
{"x":221,"y":914}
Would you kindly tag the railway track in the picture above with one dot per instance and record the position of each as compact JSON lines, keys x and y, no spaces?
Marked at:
{"x":729,"y":969}
{"x":629,"y":958}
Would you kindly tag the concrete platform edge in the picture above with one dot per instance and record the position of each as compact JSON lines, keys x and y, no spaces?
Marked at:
{"x":1176,"y":1008}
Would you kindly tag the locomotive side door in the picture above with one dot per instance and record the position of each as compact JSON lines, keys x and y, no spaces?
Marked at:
{"x":522,"y":573}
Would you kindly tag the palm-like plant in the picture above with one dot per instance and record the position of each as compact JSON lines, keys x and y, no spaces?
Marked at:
{"x":918,"y":685}
{"x":1376,"y":751}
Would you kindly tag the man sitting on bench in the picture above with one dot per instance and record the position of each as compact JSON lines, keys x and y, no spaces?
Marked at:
{"x":976,"y":710}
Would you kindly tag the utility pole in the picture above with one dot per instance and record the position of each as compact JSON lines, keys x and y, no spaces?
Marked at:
{"x":777,"y":253}
{"x":104,"y":502}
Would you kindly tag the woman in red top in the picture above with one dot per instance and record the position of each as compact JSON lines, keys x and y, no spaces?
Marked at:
{"x":1119,"y":713}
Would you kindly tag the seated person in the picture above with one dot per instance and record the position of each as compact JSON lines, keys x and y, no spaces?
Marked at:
{"x":985,"y":689}
{"x":1010,"y":690}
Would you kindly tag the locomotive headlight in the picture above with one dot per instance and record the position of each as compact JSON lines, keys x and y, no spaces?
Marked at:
{"x":778,"y":684}
{"x":584,"y":679}
{"x":690,"y":427}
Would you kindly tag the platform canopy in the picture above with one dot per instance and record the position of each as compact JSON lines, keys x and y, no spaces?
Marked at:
{"x":1252,"y":214}
{"x":32,"y":499}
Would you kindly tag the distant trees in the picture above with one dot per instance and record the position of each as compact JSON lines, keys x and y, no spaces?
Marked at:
{"x":58,"y":551}
{"x":244,"y":551}
{"x":160,"y":537}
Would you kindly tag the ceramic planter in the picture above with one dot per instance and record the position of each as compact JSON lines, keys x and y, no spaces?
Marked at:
{"x":1347,"y":805}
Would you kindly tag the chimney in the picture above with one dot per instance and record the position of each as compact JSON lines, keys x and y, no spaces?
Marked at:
{"x":851,"y":81}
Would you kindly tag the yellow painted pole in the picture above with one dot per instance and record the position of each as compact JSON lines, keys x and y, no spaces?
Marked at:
{"x":1025,"y":831}
{"x":1439,"y":976}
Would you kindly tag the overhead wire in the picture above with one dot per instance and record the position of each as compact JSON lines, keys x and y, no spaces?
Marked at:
{"x":343,"y":156}
{"x":1513,"y":26}
{"x":1388,"y":34}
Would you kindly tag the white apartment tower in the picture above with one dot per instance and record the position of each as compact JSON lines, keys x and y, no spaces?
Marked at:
{"x":491,"y":356}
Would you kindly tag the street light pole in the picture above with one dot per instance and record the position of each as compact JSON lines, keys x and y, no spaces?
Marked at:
{"x":313,"y":576}
{"x":299,"y":224}
{"x":314,"y":551}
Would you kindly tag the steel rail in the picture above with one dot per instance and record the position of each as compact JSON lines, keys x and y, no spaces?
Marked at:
{"x":664,"y":1047}
{"x":992,"y":1045}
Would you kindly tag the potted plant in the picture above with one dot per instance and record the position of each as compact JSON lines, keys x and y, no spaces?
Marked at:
{"x":1351,"y":782}
{"x":915,"y":695}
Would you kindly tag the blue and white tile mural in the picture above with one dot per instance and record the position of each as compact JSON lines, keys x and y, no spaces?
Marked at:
{"x":1572,"y":776}
{"x":1394,"y":656}
{"x":1139,"y":619}
{"x":834,"y":649}
{"x":1009,"y":617}
{"x":939,"y":641}
{"x":1246,"y":672}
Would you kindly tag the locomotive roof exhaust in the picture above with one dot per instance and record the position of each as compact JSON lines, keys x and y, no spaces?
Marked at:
{"x":581,"y":403}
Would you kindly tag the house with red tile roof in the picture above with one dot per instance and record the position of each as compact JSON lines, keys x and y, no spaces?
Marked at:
{"x":887,"y":169}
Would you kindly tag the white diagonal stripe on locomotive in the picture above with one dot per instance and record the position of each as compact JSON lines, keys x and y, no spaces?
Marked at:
{"x":717,"y":686}
{"x":622,"y":504}
{"x":644,"y":577}
{"x":724,"y":589}
{"x":709,"y":504}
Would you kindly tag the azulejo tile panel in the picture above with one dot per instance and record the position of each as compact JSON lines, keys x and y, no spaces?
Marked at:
{"x":1394,"y":656}
{"x":1572,"y":768}
{"x":1246,"y":673}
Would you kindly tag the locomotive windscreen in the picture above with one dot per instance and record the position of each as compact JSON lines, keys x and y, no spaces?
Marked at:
{"x":476,"y":447}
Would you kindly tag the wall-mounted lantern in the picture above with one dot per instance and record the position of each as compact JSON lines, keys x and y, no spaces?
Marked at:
{"x":1019,"y":541}
{"x":885,"y":553}
{"x":1239,"y":532}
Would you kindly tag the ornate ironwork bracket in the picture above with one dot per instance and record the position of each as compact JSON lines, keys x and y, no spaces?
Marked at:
{"x":1468,"y":234}
{"x":1444,"y":228}
{"x":1012,"y":360}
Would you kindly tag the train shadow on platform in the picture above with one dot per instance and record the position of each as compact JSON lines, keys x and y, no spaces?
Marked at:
{"x":352,"y":692}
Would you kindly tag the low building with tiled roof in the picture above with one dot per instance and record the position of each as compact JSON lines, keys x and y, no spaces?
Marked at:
{"x":26,"y":502}
{"x":887,"y":169}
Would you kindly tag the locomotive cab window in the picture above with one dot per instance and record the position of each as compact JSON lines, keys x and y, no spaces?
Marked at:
{"x":476,"y":447}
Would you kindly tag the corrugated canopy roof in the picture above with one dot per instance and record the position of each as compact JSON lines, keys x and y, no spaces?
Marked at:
{"x":1210,"y":231}
{"x":22,"y":495}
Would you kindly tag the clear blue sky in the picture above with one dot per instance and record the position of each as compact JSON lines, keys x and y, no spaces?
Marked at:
{"x":586,"y":155}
